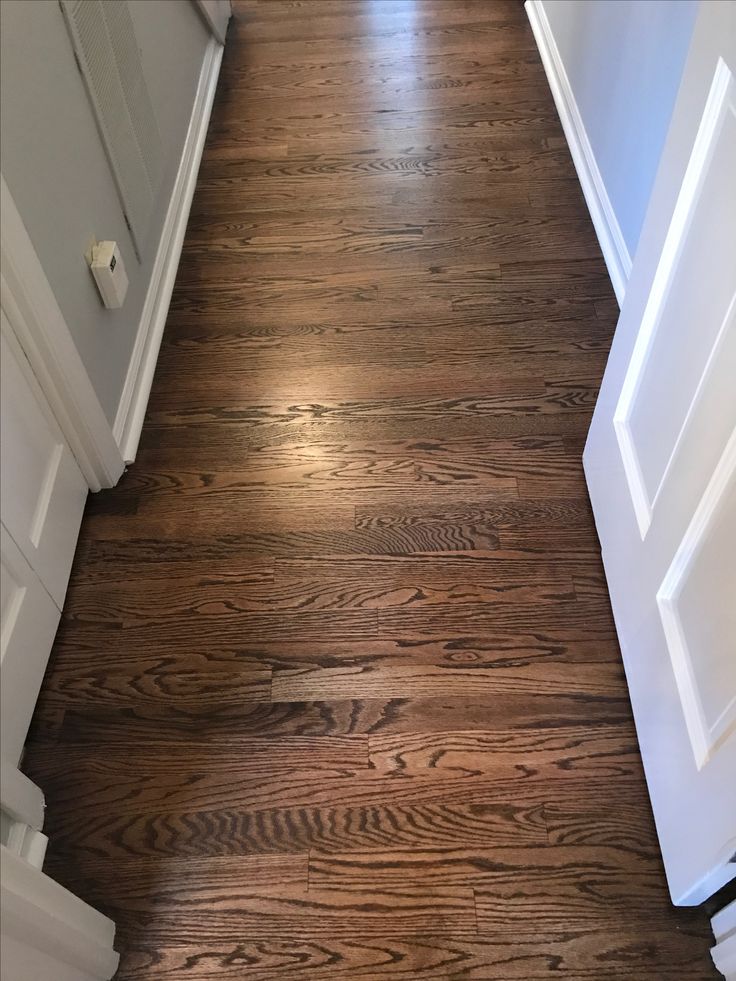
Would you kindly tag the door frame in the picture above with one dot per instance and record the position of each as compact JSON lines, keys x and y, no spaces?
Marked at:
{"x":43,"y":334}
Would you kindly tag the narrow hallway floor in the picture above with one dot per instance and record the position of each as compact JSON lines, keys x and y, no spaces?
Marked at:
{"x":337,"y":692}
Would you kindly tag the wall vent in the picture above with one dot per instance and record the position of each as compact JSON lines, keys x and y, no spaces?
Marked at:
{"x":109,"y":59}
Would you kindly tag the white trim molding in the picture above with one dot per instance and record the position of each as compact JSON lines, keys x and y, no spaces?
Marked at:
{"x":20,"y":798}
{"x":611,"y":239}
{"x":216,"y":15}
{"x":36,"y":318}
{"x":137,"y":387}
{"x":724,"y":951}
{"x":49,"y":932}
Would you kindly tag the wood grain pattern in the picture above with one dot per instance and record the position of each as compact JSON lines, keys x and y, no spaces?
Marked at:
{"x":337,"y":692}
{"x":651,"y":949}
{"x":178,"y":833}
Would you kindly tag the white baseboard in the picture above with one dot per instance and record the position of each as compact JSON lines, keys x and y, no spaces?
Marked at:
{"x":610,"y":237}
{"x":137,"y":388}
{"x":724,"y":930}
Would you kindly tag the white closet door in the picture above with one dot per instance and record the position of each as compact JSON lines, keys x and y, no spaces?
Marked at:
{"x":661,"y":467}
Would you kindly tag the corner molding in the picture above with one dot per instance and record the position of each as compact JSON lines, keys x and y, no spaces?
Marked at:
{"x":724,"y":930}
{"x":216,"y":14}
{"x":137,"y":386}
{"x":20,"y":797}
{"x":611,"y":239}
{"x":73,"y":938}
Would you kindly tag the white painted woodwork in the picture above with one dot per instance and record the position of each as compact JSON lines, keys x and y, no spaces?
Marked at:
{"x":41,"y":487}
{"x":216,"y":14}
{"x":42,"y":497}
{"x":661,"y":468}
{"x":109,"y":59}
{"x":20,"y":799}
{"x":48,"y":933}
{"x":38,"y":323}
{"x":724,"y":930}
{"x":602,"y":213}
{"x":29,"y":623}
{"x":134,"y":398}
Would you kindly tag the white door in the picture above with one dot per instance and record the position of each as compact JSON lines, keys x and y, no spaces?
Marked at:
{"x":41,"y":503}
{"x":661,"y":468}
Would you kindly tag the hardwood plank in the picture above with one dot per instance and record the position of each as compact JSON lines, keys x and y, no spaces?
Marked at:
{"x":621,"y":819}
{"x":118,"y":685}
{"x":156,"y":727}
{"x":223,"y":907}
{"x":112,"y":785}
{"x":252,"y":755}
{"x":563,"y":340}
{"x":164,"y":600}
{"x":81,"y":652}
{"x":530,"y":398}
{"x":598,"y":954}
{"x":527,"y":513}
{"x":590,"y":617}
{"x":476,"y":752}
{"x":120,"y":557}
{"x":419,"y":680}
{"x":598,"y":874}
{"x":201,"y":834}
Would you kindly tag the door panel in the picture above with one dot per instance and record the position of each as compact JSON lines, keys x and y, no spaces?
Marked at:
{"x":42,"y":489}
{"x":43,"y":495}
{"x":696,"y":604}
{"x":660,"y":462}
{"x":29,"y":623}
{"x":668,"y":373}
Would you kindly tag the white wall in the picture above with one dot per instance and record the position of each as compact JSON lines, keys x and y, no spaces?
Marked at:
{"x":59,"y":176}
{"x":624,"y":60}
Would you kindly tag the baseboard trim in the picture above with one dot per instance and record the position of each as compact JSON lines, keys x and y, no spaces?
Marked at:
{"x":610,"y":237}
{"x":724,"y":930}
{"x":137,"y":388}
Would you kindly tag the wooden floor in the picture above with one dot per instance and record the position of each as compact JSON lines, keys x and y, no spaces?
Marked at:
{"x":337,"y":692}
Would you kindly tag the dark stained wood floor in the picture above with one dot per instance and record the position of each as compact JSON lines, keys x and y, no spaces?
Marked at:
{"x":337,"y":692}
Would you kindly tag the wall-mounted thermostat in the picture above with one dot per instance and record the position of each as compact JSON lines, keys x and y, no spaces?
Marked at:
{"x":109,"y":272}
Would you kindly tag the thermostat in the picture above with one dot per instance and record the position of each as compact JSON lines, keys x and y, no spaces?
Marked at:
{"x":109,"y":272}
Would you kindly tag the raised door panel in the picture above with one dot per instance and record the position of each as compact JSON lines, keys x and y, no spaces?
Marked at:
{"x":698,"y":611}
{"x":685,"y":351}
{"x":43,"y":491}
{"x":29,"y":622}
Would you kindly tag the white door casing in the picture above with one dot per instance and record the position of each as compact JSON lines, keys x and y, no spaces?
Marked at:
{"x":660,"y":462}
